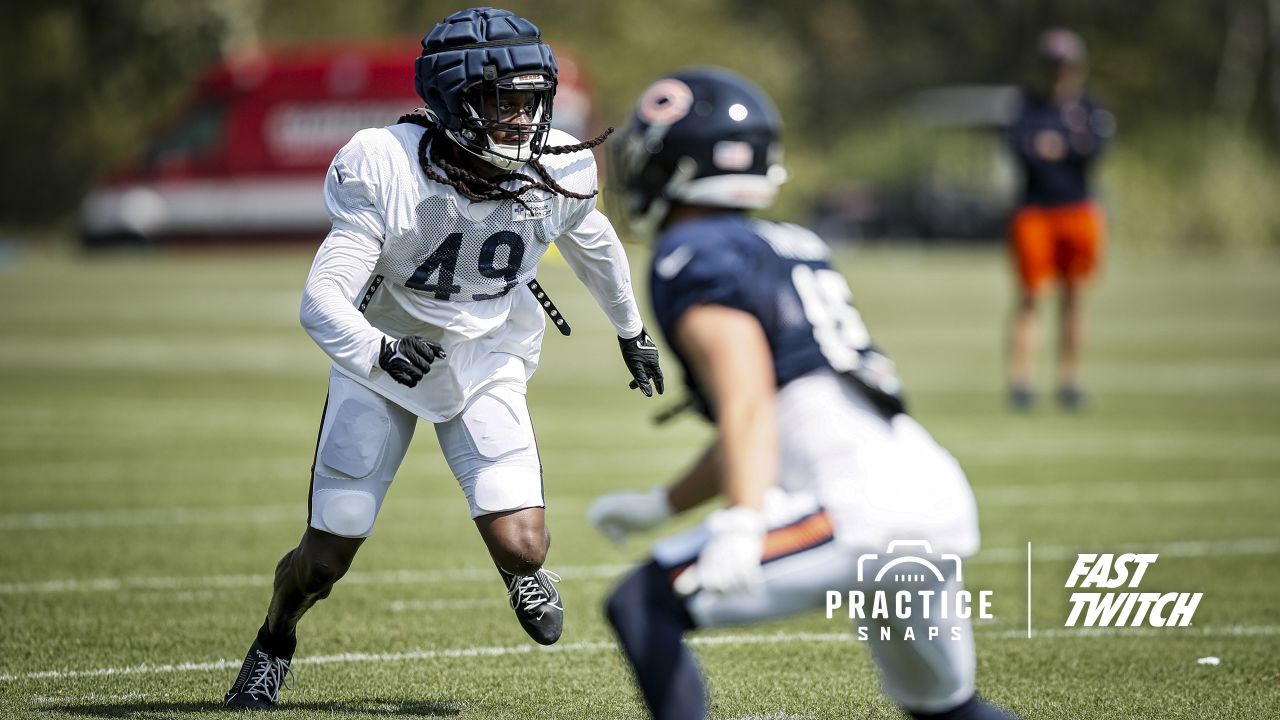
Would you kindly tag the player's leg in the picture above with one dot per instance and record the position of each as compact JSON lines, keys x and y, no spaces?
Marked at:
{"x":1031,"y":250}
{"x":929,"y":673}
{"x":1082,"y":245}
{"x":1022,"y":339}
{"x":362,"y":443}
{"x":925,"y":659}
{"x":1070,"y":345}
{"x":926,"y":666}
{"x":894,"y":493}
{"x":304,"y":576}
{"x":363,"y":439}
{"x":491,"y":449}
{"x":517,"y":540}
{"x":650,"y":621}
{"x":650,"y":617}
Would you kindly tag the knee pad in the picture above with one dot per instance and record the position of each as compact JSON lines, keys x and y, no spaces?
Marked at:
{"x":498,"y":423}
{"x":505,"y":475}
{"x":492,"y":452}
{"x":348,"y":513}
{"x":355,"y":464}
{"x":500,"y":489}
{"x":356,"y":440}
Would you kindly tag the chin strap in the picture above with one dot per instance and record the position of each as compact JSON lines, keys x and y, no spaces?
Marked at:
{"x":552,"y":311}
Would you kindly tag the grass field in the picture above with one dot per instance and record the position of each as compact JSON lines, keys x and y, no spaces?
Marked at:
{"x":159,"y":415}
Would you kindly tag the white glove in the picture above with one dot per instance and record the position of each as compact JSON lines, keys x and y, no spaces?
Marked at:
{"x":730,"y":561}
{"x":619,"y":514}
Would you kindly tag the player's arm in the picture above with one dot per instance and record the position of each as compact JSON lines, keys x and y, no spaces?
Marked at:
{"x":701,"y":483}
{"x":344,"y":262}
{"x":594,"y":253}
{"x":1097,"y":132}
{"x":729,"y":356}
{"x":340,"y":274}
{"x":618,"y":514}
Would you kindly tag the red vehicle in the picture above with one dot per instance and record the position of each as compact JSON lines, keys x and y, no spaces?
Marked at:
{"x":246,"y":160}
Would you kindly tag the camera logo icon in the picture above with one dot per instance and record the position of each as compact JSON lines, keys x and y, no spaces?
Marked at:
{"x":909,"y":561}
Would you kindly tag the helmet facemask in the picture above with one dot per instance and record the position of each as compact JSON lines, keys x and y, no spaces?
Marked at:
{"x":505,"y":121}
{"x":645,"y":185}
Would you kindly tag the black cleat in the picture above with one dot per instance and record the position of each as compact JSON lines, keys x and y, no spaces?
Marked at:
{"x":537,"y":604}
{"x":258,"y":685}
{"x":1072,"y":398}
{"x":1021,"y":398}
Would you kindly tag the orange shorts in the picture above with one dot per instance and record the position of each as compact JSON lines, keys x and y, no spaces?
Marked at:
{"x":1056,"y":242}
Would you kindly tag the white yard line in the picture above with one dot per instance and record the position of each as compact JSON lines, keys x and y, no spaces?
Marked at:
{"x":1059,"y":633}
{"x":1128,"y":447}
{"x":342,"y":658}
{"x":384,"y":577}
{"x":1176,"y":548}
{"x":1182,"y":491}
{"x":1194,"y":548}
{"x":151,"y":517}
{"x":708,"y":641}
{"x":100,"y":698}
{"x":420,"y":605}
{"x":1095,"y":493}
{"x":162,"y":597}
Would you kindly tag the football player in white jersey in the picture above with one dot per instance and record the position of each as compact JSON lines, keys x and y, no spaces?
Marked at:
{"x":829,"y":484}
{"x":418,"y":295}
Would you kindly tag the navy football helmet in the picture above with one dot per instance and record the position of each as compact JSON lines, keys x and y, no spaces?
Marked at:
{"x":703,"y":136}
{"x":480,"y":57}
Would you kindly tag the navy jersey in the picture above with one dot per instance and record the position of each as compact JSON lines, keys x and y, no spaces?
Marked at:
{"x":782,"y":275}
{"x":1056,"y":145}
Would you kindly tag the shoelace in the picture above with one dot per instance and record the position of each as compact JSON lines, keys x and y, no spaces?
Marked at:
{"x":527,"y":593}
{"x":269,"y":675}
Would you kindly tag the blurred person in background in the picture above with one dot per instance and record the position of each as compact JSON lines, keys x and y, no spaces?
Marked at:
{"x":1057,"y":233}
{"x":818,"y":462}
{"x":418,"y":295}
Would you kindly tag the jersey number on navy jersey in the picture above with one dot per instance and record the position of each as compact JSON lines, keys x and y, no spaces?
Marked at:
{"x":443,"y":264}
{"x":837,"y":324}
{"x":843,"y":338}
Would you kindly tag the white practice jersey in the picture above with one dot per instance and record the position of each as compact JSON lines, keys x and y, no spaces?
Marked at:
{"x":410,"y":256}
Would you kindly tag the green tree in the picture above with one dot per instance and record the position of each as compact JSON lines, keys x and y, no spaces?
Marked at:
{"x":82,"y":84}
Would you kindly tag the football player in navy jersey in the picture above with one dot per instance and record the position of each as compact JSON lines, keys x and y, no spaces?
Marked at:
{"x":824,"y":475}
{"x":1058,"y":232}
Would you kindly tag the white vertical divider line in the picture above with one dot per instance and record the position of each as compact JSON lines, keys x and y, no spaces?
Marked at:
{"x":1028,"y":589}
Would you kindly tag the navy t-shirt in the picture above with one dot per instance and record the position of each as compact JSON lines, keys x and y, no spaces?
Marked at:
{"x":779,"y":273}
{"x":1056,"y":145}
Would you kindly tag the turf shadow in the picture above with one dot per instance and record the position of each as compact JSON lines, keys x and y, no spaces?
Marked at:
{"x":367,"y":707}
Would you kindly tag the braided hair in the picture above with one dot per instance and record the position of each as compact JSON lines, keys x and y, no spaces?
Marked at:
{"x":478,"y":188}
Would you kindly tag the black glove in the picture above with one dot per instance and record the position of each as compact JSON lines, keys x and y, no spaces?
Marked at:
{"x":641,"y":356}
{"x":406,"y":360}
